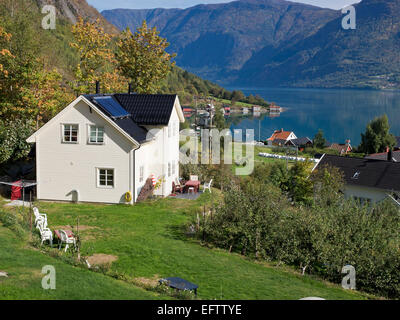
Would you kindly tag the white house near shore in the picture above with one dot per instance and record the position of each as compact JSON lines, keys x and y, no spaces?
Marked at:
{"x":367,"y":180}
{"x":101,"y":147}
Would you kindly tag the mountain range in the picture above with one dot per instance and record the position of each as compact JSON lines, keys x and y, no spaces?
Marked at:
{"x":279,"y":43}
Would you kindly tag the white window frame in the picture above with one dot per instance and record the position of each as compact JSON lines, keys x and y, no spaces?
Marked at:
{"x":173,"y":167}
{"x":90,"y":126}
{"x":174,"y":129}
{"x":63,"y":125}
{"x":98,"y":178}
{"x":141,"y":173}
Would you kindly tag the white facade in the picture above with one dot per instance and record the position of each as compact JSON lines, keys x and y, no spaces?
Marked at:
{"x":365,"y":194}
{"x":87,"y":172}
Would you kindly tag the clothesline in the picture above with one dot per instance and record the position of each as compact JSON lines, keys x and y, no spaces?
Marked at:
{"x":20,"y":183}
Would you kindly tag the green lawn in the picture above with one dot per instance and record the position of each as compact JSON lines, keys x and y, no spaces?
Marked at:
{"x":24,"y":265}
{"x":149,"y":241}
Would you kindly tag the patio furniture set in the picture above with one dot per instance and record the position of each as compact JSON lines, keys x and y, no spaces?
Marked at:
{"x":191,"y":186}
{"x":63,"y":236}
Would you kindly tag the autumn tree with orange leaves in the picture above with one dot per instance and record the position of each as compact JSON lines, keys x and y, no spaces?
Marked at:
{"x":5,"y":54}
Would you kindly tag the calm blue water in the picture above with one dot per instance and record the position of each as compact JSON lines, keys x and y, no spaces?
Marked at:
{"x":341,"y":114}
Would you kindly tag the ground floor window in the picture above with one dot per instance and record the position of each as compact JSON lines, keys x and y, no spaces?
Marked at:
{"x":173,"y":168}
{"x":141,"y":173}
{"x":362,"y":201}
{"x":105,"y":178}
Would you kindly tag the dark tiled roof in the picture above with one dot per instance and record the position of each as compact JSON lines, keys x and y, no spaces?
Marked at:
{"x":148,"y":109}
{"x":366,"y":172}
{"x":137,"y":132}
{"x":384,"y":156}
{"x":279,"y":142}
{"x":301,"y":141}
{"x":127,"y":124}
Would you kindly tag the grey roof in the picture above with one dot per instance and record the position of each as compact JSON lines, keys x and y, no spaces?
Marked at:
{"x":301,"y":141}
{"x":366,"y":172}
{"x":137,"y":132}
{"x":384,"y":156}
{"x":143,"y":109}
{"x":280,"y":142}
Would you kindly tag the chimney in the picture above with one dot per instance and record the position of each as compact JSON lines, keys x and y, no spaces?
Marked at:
{"x":97,"y":87}
{"x":390,"y":155}
{"x":129,"y":88}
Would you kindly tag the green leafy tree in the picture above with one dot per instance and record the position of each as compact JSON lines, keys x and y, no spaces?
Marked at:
{"x":219,"y":119}
{"x":300,"y":186}
{"x":280,"y":176}
{"x":13,"y":135}
{"x":19,"y":54}
{"x":238,"y":95}
{"x":142,"y":58}
{"x":319,"y":140}
{"x":328,"y":185}
{"x":377,"y":137}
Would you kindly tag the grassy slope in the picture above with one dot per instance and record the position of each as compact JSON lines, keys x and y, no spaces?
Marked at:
{"x":148,"y":240}
{"x":24,"y":266}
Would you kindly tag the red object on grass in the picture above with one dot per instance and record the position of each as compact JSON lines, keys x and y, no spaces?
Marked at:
{"x":16,"y":190}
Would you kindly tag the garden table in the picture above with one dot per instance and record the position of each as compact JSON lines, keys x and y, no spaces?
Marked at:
{"x":194,"y":184}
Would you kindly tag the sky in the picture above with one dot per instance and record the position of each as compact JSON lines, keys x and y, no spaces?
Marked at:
{"x":148,"y":4}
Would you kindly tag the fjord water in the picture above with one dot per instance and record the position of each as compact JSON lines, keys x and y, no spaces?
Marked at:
{"x":341,"y":113}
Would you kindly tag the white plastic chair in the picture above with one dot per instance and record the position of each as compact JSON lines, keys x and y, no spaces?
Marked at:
{"x":40,"y":217}
{"x":45,"y":233}
{"x":67,"y":240}
{"x":207,"y":186}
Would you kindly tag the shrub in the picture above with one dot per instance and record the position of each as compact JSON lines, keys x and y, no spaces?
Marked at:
{"x":257,"y":220}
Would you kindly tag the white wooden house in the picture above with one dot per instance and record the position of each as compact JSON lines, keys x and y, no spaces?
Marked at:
{"x":368,"y":180}
{"x":102,"y":146}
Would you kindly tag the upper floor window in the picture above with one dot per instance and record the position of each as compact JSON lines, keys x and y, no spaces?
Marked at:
{"x":70,"y":133}
{"x":96,"y":135}
{"x":169,"y":169}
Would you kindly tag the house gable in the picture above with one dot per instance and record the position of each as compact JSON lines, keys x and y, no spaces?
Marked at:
{"x":58,"y":118}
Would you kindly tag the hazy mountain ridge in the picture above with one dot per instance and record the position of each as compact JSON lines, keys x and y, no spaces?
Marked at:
{"x":280,"y":43}
{"x":215,"y":41}
{"x":334,"y":57}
